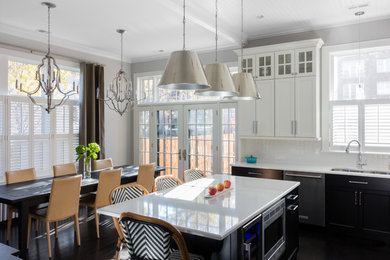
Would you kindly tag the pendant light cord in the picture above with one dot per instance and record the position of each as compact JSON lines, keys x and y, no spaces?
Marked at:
{"x":184,"y":24}
{"x":48,"y":30}
{"x":242,"y":33}
{"x":360,"y":13}
{"x":216,"y":31}
{"x":121,"y":51}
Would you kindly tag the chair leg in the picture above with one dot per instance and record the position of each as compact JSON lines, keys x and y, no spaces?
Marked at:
{"x":28,"y":230}
{"x":56,"y":228}
{"x":36,"y":225}
{"x":9,"y":223}
{"x":118,"y":249}
{"x":97,"y":224}
{"x":77,"y":228}
{"x":48,"y":237}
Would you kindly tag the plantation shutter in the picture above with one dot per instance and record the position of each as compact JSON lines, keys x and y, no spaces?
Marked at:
{"x":345,"y":123}
{"x":377,"y":125}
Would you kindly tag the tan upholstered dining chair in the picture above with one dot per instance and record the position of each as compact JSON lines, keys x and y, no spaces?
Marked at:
{"x":63,"y":204}
{"x":193,"y":174}
{"x":16,"y":177}
{"x":120,"y":194}
{"x":64,"y":169}
{"x":102,"y":164}
{"x":108,"y":180}
{"x":166,"y":182}
{"x":145,"y":176}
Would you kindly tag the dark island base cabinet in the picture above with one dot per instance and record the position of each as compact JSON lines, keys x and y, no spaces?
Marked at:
{"x":359,"y":205}
{"x":257,"y":173}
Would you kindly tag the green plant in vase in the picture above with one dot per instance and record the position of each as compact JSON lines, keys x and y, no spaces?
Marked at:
{"x":88,"y":152}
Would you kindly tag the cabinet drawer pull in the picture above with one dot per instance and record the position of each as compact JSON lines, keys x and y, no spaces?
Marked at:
{"x":292,"y":197}
{"x":304,"y":176}
{"x":292,"y":207}
{"x":292,"y":127}
{"x":355,"y":198}
{"x":358,"y":182}
{"x":255,"y":173}
{"x":360,"y":198}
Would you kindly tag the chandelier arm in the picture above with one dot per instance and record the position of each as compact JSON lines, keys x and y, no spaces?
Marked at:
{"x":63,"y":100}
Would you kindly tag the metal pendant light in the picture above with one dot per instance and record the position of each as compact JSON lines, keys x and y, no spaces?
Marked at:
{"x":184,"y":71}
{"x":244,"y":81}
{"x":218,"y":74}
{"x":48,"y":76}
{"x":120,"y":93}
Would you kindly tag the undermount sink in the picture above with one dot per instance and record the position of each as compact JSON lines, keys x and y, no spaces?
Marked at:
{"x":359,"y":171}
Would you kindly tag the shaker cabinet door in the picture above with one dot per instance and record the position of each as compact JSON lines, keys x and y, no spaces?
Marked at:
{"x":265,"y":108}
{"x":284,"y":107}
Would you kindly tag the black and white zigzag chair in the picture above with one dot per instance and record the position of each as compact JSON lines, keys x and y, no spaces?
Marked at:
{"x":193,"y":174}
{"x":150,"y":238}
{"x":166,"y":182}
{"x":120,"y":194}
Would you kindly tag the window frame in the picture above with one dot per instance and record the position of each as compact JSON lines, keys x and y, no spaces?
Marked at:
{"x":327,"y":81}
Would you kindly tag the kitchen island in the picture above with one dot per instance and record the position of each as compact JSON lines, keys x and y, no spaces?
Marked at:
{"x":216,"y":227}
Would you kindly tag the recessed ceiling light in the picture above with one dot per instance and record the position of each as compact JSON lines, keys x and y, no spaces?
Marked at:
{"x":260,"y":16}
{"x":161,"y":50}
{"x":41,"y":31}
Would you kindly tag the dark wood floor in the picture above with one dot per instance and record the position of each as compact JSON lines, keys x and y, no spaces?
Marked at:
{"x":315,"y":243}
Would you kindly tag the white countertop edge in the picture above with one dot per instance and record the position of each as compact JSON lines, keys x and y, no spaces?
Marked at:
{"x":233,"y":229}
{"x":309,"y":169}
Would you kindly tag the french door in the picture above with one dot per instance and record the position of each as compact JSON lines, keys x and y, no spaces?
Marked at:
{"x":180,"y":137}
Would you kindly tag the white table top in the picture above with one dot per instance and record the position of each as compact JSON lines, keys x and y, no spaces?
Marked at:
{"x":186,"y":208}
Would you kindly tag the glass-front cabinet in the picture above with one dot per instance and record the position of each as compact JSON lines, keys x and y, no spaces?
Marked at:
{"x":284,"y":64}
{"x":248,"y":65}
{"x":265,"y":66}
{"x":305,"y":61}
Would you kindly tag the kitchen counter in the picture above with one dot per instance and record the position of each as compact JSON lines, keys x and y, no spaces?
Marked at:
{"x":186,"y":207}
{"x":310,"y":168}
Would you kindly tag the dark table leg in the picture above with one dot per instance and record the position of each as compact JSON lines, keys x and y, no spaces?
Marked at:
{"x":22,"y":226}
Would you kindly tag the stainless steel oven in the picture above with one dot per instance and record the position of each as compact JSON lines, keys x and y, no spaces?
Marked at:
{"x":274,"y":231}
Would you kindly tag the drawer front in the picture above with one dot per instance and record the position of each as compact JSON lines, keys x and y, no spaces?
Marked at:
{"x":357,"y":182}
{"x":257,"y":173}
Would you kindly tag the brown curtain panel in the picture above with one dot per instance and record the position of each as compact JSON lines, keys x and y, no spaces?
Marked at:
{"x":92,"y":106}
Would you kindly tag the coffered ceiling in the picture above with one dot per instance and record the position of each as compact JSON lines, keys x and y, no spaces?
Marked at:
{"x":155,"y":26}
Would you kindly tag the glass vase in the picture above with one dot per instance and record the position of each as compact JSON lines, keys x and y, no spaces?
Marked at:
{"x":87,"y":169}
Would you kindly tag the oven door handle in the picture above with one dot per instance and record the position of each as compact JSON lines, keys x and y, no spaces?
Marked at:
{"x":247,"y":248}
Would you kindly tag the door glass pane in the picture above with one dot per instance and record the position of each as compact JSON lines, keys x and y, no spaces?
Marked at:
{"x":261,"y":72}
{"x":281,"y":70}
{"x":167,"y":141}
{"x":261,"y":61}
{"x":281,"y":59}
{"x":288,"y":69}
{"x":144,"y":137}
{"x":200,"y":144}
{"x":309,"y":56}
{"x":268,"y":60}
{"x":309,"y":67}
{"x":301,"y":57}
{"x":301,"y":67}
{"x":268,"y":72}
{"x":288,"y":58}
{"x":250,"y":62}
{"x":228,"y":139}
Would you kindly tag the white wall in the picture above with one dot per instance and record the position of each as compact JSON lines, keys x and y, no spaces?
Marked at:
{"x":118,"y":130}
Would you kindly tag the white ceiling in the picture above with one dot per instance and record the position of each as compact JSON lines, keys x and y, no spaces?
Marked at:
{"x":153,"y":25}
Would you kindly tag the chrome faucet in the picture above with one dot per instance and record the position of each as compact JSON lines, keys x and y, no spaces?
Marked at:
{"x":359,"y":163}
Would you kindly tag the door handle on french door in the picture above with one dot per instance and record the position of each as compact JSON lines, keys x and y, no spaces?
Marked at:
{"x":184,"y":154}
{"x":179,"y":153}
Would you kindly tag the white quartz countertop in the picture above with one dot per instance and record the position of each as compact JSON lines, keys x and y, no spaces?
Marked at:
{"x":186,"y":208}
{"x":310,"y":168}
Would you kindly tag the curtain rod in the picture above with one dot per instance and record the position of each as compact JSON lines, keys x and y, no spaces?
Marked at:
{"x":37,"y":52}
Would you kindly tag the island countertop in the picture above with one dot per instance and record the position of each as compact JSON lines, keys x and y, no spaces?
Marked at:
{"x":186,"y":207}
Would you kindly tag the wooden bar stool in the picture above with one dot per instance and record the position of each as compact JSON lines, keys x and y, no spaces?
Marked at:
{"x":63,"y":204}
{"x":108,"y":180}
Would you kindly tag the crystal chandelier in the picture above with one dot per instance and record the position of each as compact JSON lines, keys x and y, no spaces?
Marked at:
{"x":48,"y":76}
{"x":120,"y":93}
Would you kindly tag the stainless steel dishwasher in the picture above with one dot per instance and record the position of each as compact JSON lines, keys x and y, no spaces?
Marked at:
{"x":311,"y":196}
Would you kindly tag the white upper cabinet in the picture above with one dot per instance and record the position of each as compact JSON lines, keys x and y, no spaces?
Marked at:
{"x":265,"y":66}
{"x":287,"y":76}
{"x":284,"y":64}
{"x":305,"y":62}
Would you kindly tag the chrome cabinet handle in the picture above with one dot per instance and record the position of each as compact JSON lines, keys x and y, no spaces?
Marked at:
{"x":179,"y":154}
{"x":304,"y":176}
{"x":292,"y":127}
{"x":295,"y":127}
{"x":292,"y":197}
{"x":360,"y":198}
{"x":255,"y":173}
{"x":256,"y":126}
{"x":358,"y":182}
{"x":253,"y":127}
{"x":292,"y":207}
{"x":355,"y":198}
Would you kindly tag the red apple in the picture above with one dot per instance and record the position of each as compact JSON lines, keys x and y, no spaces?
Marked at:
{"x":212,"y":190}
{"x":220,"y":187}
{"x":227,"y":184}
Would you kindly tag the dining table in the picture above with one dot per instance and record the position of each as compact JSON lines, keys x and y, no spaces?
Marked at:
{"x":25,"y":195}
{"x":209,"y":224}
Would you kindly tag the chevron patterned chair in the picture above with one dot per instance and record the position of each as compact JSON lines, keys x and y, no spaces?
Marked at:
{"x":120,"y":194}
{"x":166,"y":182}
{"x":193,"y":174}
{"x":150,"y":238}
